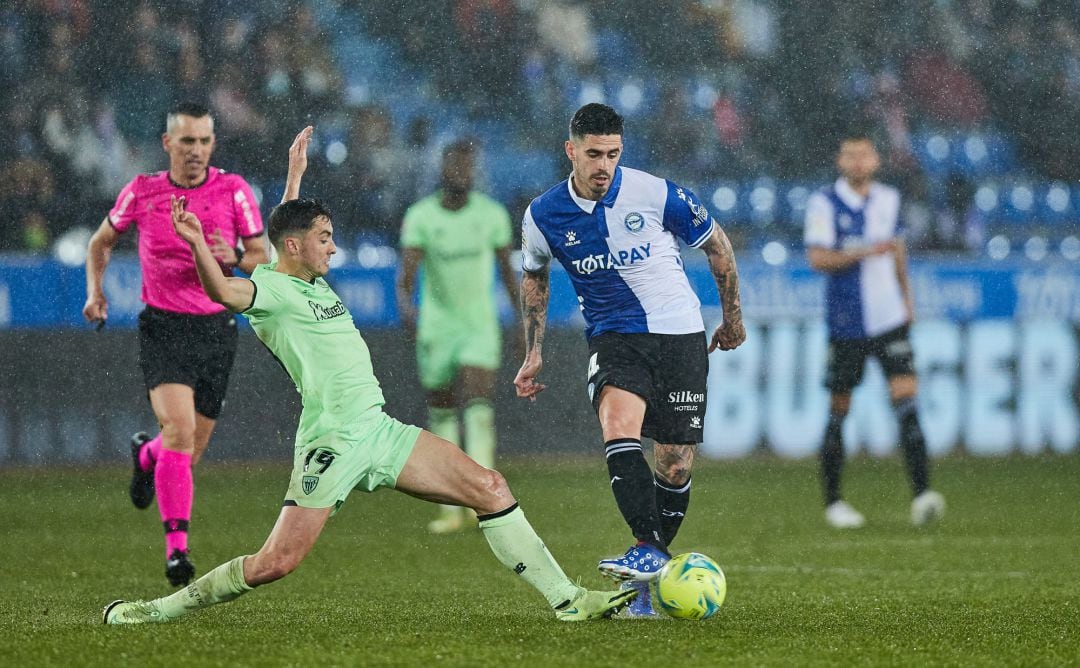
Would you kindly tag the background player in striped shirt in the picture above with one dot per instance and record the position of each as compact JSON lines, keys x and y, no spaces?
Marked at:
{"x":187,"y":342}
{"x":616,"y":231}
{"x":853,"y":235}
{"x":457,"y":235}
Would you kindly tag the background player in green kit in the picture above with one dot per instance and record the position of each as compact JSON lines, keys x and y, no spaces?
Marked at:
{"x":344,"y":440}
{"x":457,"y":235}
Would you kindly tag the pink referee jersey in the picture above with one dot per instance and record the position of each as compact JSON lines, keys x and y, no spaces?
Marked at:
{"x":224,"y":203}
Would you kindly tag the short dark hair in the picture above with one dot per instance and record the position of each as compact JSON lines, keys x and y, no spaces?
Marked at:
{"x":595,"y":119}
{"x":192,"y":109}
{"x":858,"y":129}
{"x":296,"y":215}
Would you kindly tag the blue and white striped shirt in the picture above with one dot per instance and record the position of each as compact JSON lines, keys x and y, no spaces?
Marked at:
{"x":622,"y":253}
{"x":865,"y":299}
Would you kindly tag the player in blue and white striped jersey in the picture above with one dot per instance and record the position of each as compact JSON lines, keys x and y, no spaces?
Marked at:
{"x":616,"y":231}
{"x":853,"y":234}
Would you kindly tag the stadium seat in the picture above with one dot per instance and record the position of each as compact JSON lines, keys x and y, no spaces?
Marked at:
{"x":724,"y":202}
{"x":1055,"y":204}
{"x":634,"y":96}
{"x":1018,"y":206}
{"x":972,"y":156}
{"x":981,"y":154}
{"x":761,"y":201}
{"x":988,"y":200}
{"x":934,"y":151}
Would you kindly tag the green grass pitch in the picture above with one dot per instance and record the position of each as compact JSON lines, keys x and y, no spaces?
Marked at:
{"x":997,"y":583}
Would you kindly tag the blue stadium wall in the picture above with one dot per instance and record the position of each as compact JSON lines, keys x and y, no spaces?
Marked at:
{"x":996,"y":346}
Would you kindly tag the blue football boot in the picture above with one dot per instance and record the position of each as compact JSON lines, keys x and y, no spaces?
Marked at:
{"x":641,"y":563}
{"x":641,"y":607}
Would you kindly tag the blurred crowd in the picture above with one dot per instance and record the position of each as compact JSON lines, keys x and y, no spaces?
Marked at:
{"x":729,"y":89}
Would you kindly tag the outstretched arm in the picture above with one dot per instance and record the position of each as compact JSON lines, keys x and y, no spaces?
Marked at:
{"x":297,"y":164}
{"x":510,"y":284}
{"x":235,"y":294}
{"x":98,"y":253}
{"x":406,"y":286}
{"x":831,"y":260}
{"x":506,"y":273}
{"x":731,"y":333}
{"x":535,"y":290}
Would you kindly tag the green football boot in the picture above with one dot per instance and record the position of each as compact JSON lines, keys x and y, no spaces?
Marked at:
{"x":595,"y":605}
{"x":132,"y":612}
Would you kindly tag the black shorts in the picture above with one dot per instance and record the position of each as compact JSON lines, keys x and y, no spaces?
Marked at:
{"x":192,"y":350}
{"x":847,"y":358}
{"x":669,"y":371}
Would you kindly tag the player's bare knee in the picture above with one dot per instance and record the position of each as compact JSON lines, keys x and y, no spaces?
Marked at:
{"x":840,"y":404}
{"x":178,"y":436}
{"x":620,"y":426}
{"x":902,"y":387}
{"x":492,"y":493}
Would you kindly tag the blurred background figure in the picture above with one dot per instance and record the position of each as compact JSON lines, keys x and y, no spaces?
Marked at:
{"x":459,"y":237}
{"x":854,"y":236}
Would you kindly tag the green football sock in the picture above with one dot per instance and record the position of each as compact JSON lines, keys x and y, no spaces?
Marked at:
{"x":517,"y":546}
{"x":443,"y":422}
{"x":220,"y":585}
{"x":479,"y":418}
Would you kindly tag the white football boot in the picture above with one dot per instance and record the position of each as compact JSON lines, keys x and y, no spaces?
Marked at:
{"x":927,"y":508}
{"x":840,"y":515}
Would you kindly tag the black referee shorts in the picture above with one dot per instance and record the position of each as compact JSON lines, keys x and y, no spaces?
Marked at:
{"x":192,"y":350}
{"x":847,"y":358}
{"x":669,"y":371}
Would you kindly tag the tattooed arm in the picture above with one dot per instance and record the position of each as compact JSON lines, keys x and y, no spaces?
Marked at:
{"x":535,"y":290}
{"x":721,"y":258}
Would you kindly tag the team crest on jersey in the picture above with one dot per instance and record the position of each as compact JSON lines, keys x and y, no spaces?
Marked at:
{"x":634,"y":221}
{"x":310,"y":482}
{"x":844,"y":221}
{"x":571,"y":238}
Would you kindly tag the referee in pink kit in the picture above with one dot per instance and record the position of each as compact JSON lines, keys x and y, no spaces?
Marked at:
{"x":186,"y":341}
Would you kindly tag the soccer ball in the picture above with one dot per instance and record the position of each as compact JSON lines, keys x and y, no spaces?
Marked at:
{"x":689,"y":586}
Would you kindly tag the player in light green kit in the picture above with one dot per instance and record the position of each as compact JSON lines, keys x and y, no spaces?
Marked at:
{"x":344,"y":441}
{"x":457,"y":235}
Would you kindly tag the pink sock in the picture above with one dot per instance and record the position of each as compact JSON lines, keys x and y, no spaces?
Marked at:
{"x":149,"y":453}
{"x":175,"y":491}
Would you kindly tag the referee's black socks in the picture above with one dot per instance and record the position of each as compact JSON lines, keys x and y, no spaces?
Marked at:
{"x":634,"y":490}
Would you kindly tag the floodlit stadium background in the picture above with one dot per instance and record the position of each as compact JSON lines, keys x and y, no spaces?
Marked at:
{"x":975,"y":104}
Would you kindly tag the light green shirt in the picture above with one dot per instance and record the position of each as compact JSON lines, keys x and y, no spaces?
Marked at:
{"x":311,"y":333}
{"x":459,"y":257}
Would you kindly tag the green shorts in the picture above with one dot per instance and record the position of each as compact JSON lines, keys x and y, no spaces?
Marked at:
{"x":439,"y":356}
{"x":366,"y":454}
